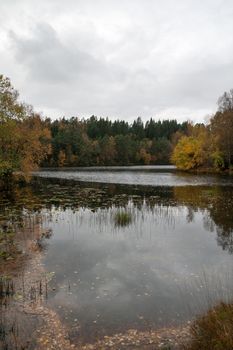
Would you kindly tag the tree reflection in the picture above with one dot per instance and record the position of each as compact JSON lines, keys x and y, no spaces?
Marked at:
{"x":216,"y":205}
{"x":38,"y":200}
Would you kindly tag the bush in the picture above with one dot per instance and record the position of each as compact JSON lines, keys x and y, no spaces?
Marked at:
{"x":218,"y":160}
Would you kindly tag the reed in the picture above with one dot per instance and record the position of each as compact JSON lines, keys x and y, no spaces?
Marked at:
{"x":122,"y":218}
{"x":214,"y":330}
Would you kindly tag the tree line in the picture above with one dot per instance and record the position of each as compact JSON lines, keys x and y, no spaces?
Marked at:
{"x":28,"y":141}
{"x":100,"y":141}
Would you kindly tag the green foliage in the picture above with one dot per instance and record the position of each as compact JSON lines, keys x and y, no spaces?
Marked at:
{"x":218,"y":160}
{"x":99,"y":141}
{"x":123,"y":218}
{"x":161,"y":150}
{"x":25,"y":139}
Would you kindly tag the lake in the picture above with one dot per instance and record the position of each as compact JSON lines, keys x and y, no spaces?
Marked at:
{"x":135,"y":175}
{"x":131,"y":247}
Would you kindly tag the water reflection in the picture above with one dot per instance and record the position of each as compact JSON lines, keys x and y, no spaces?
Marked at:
{"x":152,"y":271}
{"x":21,"y":230}
{"x":216,"y":205}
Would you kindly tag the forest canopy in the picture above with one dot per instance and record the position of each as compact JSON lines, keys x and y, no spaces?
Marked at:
{"x":100,"y":141}
{"x":28,"y":141}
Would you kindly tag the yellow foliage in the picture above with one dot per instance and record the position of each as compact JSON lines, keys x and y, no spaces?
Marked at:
{"x":189,"y":153}
{"x":24,"y":137}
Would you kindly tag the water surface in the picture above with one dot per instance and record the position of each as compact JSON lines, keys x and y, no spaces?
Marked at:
{"x":170,"y":261}
{"x":135,"y":175}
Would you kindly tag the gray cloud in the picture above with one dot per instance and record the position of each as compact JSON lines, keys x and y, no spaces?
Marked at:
{"x":119,"y":59}
{"x":47,"y":59}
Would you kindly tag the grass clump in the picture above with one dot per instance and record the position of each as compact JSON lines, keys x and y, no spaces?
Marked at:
{"x":123,"y":218}
{"x":214,"y":330}
{"x":8,"y":249}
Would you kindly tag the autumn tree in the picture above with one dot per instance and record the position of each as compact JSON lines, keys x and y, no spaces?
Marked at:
{"x":144,"y":152}
{"x":24,"y":137}
{"x":188,"y":153}
{"x":100,"y":141}
{"x":221,"y":126}
{"x":225,"y":102}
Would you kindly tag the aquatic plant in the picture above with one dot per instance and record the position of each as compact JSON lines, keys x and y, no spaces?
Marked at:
{"x":122,"y":218}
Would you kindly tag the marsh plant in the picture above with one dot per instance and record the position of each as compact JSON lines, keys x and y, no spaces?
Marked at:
{"x":123,"y":218}
{"x":213,"y":326}
{"x":214,"y":330}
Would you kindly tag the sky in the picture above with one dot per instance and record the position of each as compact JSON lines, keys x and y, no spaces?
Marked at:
{"x":119,"y":58}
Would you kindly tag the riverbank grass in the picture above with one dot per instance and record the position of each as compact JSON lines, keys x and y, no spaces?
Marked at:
{"x":214,"y":330}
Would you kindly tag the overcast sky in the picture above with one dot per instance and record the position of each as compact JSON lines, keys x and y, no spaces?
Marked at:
{"x":118,"y":58}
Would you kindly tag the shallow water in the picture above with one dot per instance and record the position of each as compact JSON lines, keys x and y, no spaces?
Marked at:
{"x":171,"y":260}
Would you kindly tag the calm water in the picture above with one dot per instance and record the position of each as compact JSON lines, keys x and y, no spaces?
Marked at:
{"x":135,"y":175}
{"x":171,"y":260}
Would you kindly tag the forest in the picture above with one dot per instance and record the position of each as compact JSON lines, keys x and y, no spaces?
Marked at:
{"x":28,"y":141}
{"x":100,"y":141}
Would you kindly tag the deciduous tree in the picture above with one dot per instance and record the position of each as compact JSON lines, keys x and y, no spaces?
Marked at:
{"x":24,"y":137}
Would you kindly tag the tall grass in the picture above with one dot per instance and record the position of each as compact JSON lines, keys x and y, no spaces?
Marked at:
{"x":214,"y":330}
{"x":122,"y":218}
